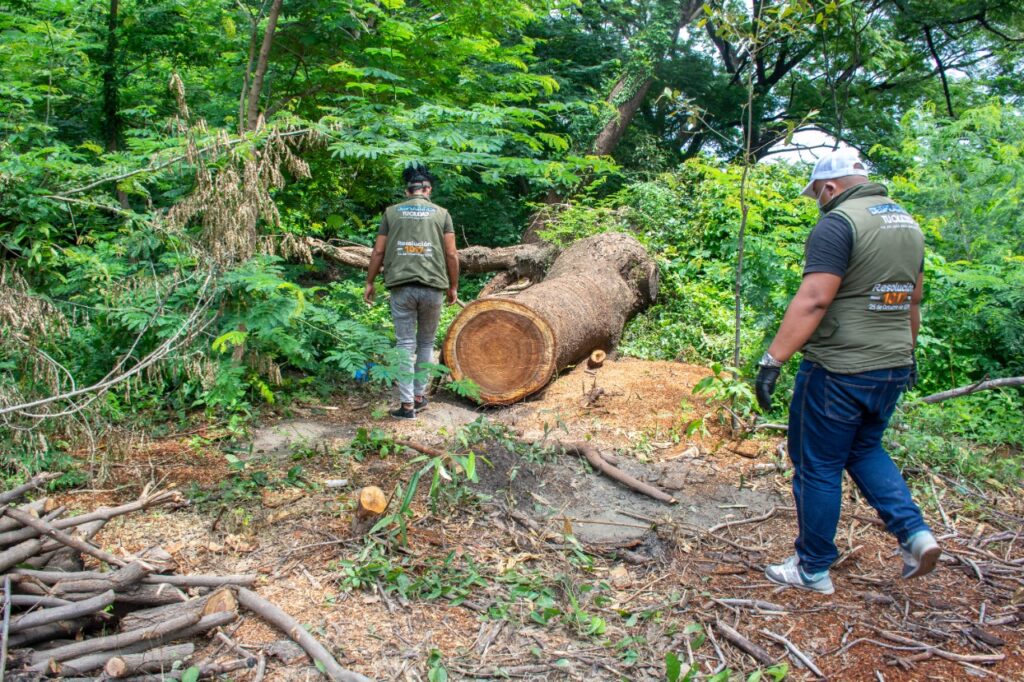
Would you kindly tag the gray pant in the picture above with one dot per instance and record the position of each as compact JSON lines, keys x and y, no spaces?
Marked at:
{"x":415,"y":310}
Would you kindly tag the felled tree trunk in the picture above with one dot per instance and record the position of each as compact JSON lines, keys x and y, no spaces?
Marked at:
{"x":511,"y":346}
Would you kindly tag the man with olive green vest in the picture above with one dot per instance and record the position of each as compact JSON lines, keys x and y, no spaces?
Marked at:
{"x":856,"y":318}
{"x":416,"y":247}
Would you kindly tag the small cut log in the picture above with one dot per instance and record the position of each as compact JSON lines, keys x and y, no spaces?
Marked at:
{"x":153,"y":660}
{"x":40,"y":659}
{"x":220,"y":601}
{"x":596,"y":359}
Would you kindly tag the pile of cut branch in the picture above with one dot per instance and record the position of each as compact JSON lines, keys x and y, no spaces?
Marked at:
{"x":131,"y":621}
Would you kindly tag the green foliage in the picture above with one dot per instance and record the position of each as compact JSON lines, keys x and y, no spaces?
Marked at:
{"x":436,"y":672}
{"x":726,"y":386}
{"x":453,"y":577}
{"x":372,"y":442}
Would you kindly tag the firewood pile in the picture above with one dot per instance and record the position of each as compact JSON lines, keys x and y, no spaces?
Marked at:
{"x":133,"y":621}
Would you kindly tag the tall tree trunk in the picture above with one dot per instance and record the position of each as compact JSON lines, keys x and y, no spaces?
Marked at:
{"x":608,"y":139}
{"x":111,"y":92}
{"x":254,"y":25}
{"x":253,"y":111}
{"x":626,"y":104}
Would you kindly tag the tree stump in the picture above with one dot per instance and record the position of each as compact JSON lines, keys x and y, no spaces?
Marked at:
{"x":511,"y":346}
{"x":370,"y":504}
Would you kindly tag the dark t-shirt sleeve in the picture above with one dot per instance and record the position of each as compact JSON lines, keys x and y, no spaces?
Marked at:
{"x":829,"y":246}
{"x":384,"y":228}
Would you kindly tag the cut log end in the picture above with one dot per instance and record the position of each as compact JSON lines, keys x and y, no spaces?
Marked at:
{"x":503,"y":347}
{"x":221,"y":601}
{"x":370,"y":504}
{"x":596,"y":359}
{"x":512,"y":347}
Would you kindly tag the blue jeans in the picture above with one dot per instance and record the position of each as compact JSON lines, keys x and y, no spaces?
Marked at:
{"x":836,"y":422}
{"x":415,"y":310}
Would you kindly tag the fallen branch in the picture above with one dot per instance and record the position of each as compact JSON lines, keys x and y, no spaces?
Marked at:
{"x":739,"y":522}
{"x":291,"y":627}
{"x":206,"y":670}
{"x":114,"y":580}
{"x":795,"y":651}
{"x":418,"y":447}
{"x":59,"y":613}
{"x":36,"y":601}
{"x":743,"y":644}
{"x":973,"y":388}
{"x":46,"y":633}
{"x":941,"y":653}
{"x":147,"y":500}
{"x":36,"y":507}
{"x":751,"y":603}
{"x":594,"y":458}
{"x":65,"y":558}
{"x":36,"y":481}
{"x":60,"y":536}
{"x":53,"y":577}
{"x":524,"y":259}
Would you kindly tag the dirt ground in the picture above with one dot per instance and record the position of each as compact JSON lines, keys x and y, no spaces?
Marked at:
{"x":543,"y":569}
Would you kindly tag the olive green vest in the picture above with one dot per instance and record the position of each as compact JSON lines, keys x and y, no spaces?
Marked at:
{"x":414,"y":253}
{"x":867,"y":325}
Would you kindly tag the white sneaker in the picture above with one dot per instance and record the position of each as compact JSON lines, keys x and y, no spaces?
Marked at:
{"x":790,"y":573}
{"x":920,"y":554}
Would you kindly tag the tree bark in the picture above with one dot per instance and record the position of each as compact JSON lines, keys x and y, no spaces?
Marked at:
{"x":112,"y":122}
{"x":608,"y":139}
{"x":153,"y":660}
{"x":223,"y":600}
{"x":253,"y":109}
{"x":118,"y":642}
{"x":59,"y":613}
{"x":36,"y":508}
{"x":47,"y":633}
{"x":511,"y":346}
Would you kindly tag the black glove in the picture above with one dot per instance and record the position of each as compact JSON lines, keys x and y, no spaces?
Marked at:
{"x":912,"y":379}
{"x":764,"y":385}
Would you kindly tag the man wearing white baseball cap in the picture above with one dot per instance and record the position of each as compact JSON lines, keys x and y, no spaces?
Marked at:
{"x":855,"y":317}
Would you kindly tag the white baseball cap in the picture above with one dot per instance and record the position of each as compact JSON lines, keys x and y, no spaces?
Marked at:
{"x":838,"y":164}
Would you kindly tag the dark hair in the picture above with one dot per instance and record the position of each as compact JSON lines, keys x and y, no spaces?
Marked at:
{"x":417,"y":177}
